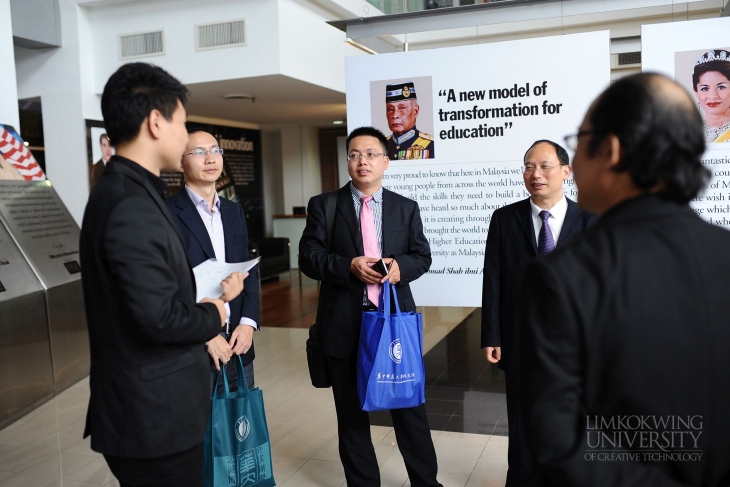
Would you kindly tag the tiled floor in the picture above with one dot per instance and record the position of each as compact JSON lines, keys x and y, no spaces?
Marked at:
{"x":45,"y":447}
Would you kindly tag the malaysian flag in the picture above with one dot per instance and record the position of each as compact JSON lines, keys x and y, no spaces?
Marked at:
{"x":14,"y":151}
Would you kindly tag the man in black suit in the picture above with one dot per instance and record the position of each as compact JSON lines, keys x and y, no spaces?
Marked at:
{"x":517,"y":234}
{"x":349,"y":286}
{"x":215,"y":228}
{"x":625,"y":331}
{"x":150,"y":399}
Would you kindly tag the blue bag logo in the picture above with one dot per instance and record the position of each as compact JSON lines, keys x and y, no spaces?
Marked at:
{"x":395,"y":351}
{"x":243,"y":428}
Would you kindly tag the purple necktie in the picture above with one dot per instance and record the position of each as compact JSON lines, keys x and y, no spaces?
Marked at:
{"x":369,"y":242}
{"x":545,"y":242}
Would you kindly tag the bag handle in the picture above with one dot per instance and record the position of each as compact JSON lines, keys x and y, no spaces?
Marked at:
{"x":242,"y":380}
{"x":385,"y":292}
{"x":242,"y":385}
{"x":226,"y":389}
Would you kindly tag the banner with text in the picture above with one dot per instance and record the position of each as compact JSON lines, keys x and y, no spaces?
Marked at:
{"x":479,"y":108}
{"x":697,"y":55}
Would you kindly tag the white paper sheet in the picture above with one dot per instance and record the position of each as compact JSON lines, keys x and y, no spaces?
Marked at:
{"x":210,"y":274}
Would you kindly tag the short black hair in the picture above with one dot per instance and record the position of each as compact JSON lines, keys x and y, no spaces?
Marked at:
{"x":369,"y":131}
{"x":102,"y":137}
{"x":562,"y":153}
{"x":722,"y":67}
{"x":661,"y":136}
{"x":131,"y":93}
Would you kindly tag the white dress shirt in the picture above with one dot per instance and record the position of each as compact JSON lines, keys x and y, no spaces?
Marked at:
{"x":556,"y":219}
{"x":214,"y":225}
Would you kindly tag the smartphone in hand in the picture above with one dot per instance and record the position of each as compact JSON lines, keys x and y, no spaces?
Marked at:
{"x":381,"y":267}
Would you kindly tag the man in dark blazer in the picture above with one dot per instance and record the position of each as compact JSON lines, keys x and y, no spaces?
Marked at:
{"x":150,"y":399}
{"x":517,"y":234}
{"x":626,"y":330}
{"x":349,"y":286}
{"x":215,"y":228}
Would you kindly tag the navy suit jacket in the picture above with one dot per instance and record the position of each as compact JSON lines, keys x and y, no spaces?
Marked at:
{"x":511,"y":245}
{"x":200,"y":248}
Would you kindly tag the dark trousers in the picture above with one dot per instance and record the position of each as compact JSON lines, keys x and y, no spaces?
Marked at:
{"x":232,"y":374}
{"x":519,"y":456}
{"x":353,"y":425}
{"x":184,"y":469}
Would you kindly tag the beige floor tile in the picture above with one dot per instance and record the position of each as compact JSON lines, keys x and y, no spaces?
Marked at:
{"x":298,"y":447}
{"x":5,"y":474}
{"x":488,"y":475}
{"x":448,"y":480}
{"x":458,"y":453}
{"x":40,"y":473}
{"x":96,"y":472}
{"x":83,"y":447}
{"x":330,"y":452}
{"x":71,"y":463}
{"x":4,"y":450}
{"x":70,"y":483}
{"x":281,"y":426}
{"x":317,"y":473}
{"x":285,"y":467}
{"x":393,"y":471}
{"x":322,"y":425}
{"x":28,"y":455}
{"x":113,"y":483}
{"x":31,"y":432}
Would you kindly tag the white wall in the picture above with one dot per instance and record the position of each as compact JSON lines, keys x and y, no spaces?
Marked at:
{"x":57,"y":76}
{"x":8,"y":87}
{"x":301,"y":171}
{"x":257,"y":58}
{"x":311,"y":50}
{"x":273,"y":178}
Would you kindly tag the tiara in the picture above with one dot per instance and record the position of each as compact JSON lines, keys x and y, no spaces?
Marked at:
{"x":711,"y":56}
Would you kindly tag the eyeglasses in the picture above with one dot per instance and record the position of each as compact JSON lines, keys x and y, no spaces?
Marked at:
{"x":572,"y":140}
{"x":528,"y":168}
{"x":215,"y":151}
{"x":369,"y":156}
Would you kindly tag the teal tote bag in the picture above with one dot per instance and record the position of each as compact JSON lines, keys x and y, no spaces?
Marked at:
{"x":237,"y":451}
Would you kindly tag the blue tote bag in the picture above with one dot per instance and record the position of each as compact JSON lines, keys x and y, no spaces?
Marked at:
{"x":390,"y":357}
{"x":237,"y":451}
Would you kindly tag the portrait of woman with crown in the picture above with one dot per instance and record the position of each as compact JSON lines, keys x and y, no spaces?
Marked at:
{"x":711,"y":84}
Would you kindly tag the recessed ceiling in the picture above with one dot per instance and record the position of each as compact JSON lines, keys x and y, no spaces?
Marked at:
{"x":281,"y":101}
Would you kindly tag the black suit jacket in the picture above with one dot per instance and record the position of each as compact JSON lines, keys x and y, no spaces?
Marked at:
{"x":200,"y":248}
{"x":339,"y":312}
{"x":630,"y":319}
{"x":150,"y":391}
{"x":510,"y":246}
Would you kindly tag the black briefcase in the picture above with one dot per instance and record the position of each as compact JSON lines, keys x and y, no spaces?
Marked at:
{"x":318,"y":372}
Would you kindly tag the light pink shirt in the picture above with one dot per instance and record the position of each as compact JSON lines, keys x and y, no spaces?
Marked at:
{"x":214,"y":225}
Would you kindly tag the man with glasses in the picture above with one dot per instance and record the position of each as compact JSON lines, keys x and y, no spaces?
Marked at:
{"x":215,"y":228}
{"x":369,"y":223}
{"x":517,"y":234}
{"x":631,"y":320}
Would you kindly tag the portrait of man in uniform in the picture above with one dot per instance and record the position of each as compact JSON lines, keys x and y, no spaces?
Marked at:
{"x":401,"y":110}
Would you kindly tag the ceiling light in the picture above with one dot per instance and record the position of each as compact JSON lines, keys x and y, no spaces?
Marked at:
{"x":338,"y":122}
{"x":359,"y":46}
{"x":239,"y":96}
